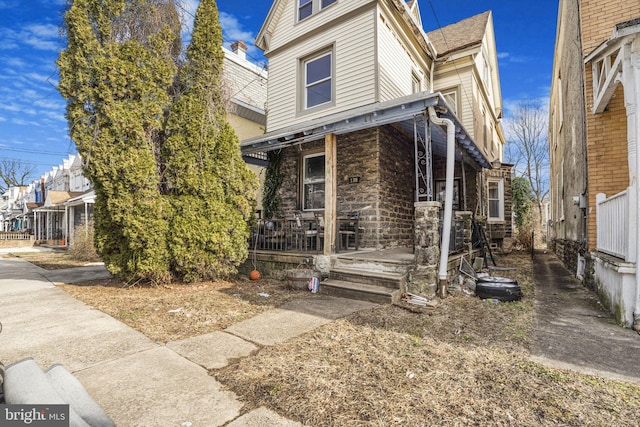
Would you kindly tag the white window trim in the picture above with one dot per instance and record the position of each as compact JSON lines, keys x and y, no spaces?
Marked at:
{"x":500,"y":183}
{"x":302,"y":86}
{"x":454,"y":92}
{"x":304,"y":180}
{"x":316,"y":6}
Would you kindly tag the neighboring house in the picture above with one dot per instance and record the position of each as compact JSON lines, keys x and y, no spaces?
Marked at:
{"x":466,"y":73}
{"x":245,"y":85}
{"x":67,"y":201}
{"x":593,"y":135}
{"x":12,"y":208}
{"x":364,"y":141}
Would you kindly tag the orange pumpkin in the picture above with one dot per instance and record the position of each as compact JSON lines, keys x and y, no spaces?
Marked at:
{"x":254,"y":275}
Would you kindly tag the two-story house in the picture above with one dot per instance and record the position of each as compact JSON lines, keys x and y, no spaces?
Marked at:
{"x":593,"y":136}
{"x":360,"y":137}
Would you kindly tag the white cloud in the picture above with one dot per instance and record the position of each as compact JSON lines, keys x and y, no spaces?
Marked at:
{"x":506,"y":58}
{"x":232,"y":29}
{"x":49,"y":105}
{"x":10,"y":107}
{"x":187,"y":15}
{"x":43,"y":30}
{"x":22,"y":122}
{"x":13,"y":62}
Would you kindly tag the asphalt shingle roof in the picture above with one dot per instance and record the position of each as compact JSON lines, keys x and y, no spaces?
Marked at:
{"x":459,"y":35}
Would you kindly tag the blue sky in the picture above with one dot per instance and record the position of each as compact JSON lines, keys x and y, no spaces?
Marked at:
{"x":32,"y":124}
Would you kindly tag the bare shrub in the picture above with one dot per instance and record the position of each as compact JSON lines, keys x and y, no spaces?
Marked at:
{"x":82,"y":247}
{"x":524,"y":239}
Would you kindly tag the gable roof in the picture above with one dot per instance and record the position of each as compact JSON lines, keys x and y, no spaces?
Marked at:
{"x":462,"y":34}
{"x":410,"y":12}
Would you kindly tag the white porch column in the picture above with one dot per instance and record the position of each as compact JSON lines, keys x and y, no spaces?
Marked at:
{"x":631,"y":82}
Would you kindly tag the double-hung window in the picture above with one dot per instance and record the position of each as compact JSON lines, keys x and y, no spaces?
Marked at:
{"x":318,"y":80}
{"x":313,"y":182}
{"x":306,"y":8}
{"x":496,"y":200}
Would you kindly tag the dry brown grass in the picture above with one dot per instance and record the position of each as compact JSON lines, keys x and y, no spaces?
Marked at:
{"x":172,"y":312}
{"x":464,"y":362}
{"x":53,"y":260}
{"x":353,"y":375}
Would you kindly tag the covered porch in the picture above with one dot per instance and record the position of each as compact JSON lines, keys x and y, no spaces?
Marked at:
{"x":359,"y":181}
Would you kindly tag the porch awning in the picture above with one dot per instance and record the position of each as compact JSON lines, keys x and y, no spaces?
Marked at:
{"x":88,"y":197}
{"x":401,"y":111}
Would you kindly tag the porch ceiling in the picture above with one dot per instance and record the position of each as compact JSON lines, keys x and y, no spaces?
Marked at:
{"x":401,"y":111}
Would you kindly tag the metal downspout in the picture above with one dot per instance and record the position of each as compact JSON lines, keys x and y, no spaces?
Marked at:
{"x":448,"y":199}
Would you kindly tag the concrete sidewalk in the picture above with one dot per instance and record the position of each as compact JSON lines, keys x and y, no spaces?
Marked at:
{"x":574,"y":331}
{"x":136,"y":381}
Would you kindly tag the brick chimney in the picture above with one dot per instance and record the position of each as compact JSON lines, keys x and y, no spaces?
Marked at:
{"x":240,"y":49}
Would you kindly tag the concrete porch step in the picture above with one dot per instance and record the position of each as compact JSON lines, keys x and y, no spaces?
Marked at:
{"x":369,"y":277}
{"x":360,"y":291}
{"x":381,"y":265}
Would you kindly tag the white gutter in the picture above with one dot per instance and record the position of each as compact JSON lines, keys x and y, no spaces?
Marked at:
{"x":448,"y":199}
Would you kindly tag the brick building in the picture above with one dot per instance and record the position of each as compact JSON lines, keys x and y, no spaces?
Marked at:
{"x":593,"y":136}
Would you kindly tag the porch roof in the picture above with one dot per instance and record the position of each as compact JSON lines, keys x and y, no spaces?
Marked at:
{"x":401,"y":111}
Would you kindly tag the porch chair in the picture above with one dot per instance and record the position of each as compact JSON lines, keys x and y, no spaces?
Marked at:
{"x":348,"y":230}
{"x":304,"y":230}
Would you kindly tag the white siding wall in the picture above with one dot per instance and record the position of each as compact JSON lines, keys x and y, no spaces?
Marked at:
{"x":462,"y":79}
{"x":354,"y":43}
{"x":396,"y":66}
{"x":287,"y":28}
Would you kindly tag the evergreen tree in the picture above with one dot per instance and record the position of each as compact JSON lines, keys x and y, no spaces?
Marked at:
{"x":209,"y":182}
{"x":163,"y":161}
{"x":523,"y":198}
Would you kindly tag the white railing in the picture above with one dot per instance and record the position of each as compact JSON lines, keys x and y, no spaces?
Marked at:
{"x":14,"y":236}
{"x":612,"y":217}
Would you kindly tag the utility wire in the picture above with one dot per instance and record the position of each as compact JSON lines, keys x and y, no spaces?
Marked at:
{"x":435,"y":15}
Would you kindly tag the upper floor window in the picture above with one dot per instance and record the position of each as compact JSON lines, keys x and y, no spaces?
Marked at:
{"x":318,"y":80}
{"x":306,"y":8}
{"x":451,"y":97}
{"x":416,"y":83}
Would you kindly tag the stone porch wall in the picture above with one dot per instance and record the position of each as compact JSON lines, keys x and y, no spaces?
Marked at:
{"x":375,"y":176}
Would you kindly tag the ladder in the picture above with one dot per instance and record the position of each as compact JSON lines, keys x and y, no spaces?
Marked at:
{"x":481,"y":240}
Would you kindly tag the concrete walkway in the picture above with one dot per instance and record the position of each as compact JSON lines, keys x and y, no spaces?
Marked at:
{"x":136,"y":381}
{"x":574,"y":331}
